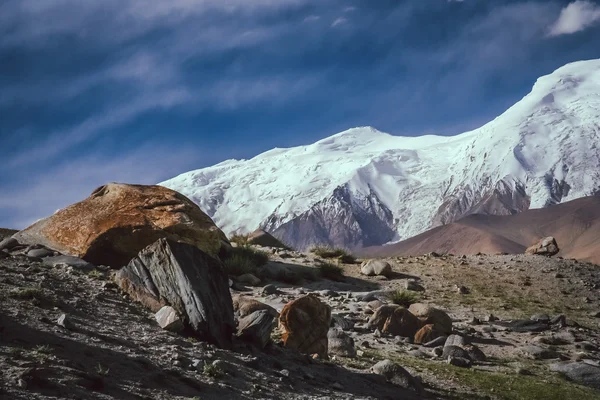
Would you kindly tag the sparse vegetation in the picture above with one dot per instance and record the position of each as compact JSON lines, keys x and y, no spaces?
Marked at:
{"x":245,"y":260}
{"x":404,"y":298}
{"x":240,"y":240}
{"x":28,"y":293}
{"x":102,"y":370}
{"x":45,"y":349}
{"x":331,"y":252}
{"x":95,"y":274}
{"x":213,"y":371}
{"x":331,"y":271}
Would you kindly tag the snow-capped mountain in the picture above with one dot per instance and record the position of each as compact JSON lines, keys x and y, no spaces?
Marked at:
{"x":363,"y":187}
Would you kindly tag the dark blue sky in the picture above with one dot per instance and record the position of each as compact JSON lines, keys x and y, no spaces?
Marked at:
{"x":139,"y":90}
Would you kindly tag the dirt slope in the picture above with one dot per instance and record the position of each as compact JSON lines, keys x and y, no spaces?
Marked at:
{"x":575,"y":225}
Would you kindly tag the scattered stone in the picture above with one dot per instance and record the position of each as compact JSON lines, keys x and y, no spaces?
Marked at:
{"x":475,"y":353}
{"x":376,"y":268}
{"x":462,"y":289}
{"x":579,"y":372}
{"x":431,"y":315}
{"x":257,"y":327}
{"x":394,"y":320}
{"x":70,"y":261}
{"x":269,"y":290}
{"x":455,"y":351}
{"x":189,"y":280}
{"x":340,"y":343}
{"x":397,"y":375}
{"x":168,"y":319}
{"x":375,"y":304}
{"x":438,"y":351}
{"x":560,"y":320}
{"x":338,"y":321}
{"x":305,"y":324}
{"x":439,"y":341}
{"x":527,"y":325}
{"x":337,"y":386}
{"x":545,"y":247}
{"x":491,"y":318}
{"x":248,"y":279}
{"x":537,"y":352}
{"x":459,"y":362}
{"x":117,"y":221}
{"x":39,"y":253}
{"x":427,"y":333}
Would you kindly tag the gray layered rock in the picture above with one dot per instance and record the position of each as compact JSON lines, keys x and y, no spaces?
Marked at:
{"x":257,"y":327}
{"x":579,"y":372}
{"x":189,"y":280}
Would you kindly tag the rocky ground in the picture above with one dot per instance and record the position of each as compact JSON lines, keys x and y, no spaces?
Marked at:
{"x":68,"y":332}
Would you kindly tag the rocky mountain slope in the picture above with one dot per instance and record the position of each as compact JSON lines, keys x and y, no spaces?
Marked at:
{"x":363,"y":187}
{"x":574,"y":224}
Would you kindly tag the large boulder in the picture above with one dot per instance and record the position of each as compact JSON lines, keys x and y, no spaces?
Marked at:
{"x":264,"y":238}
{"x":394,"y":320}
{"x":545,"y":247}
{"x":304,"y":324}
{"x":184,"y":277}
{"x":431,"y":315}
{"x":118,"y":220}
{"x":376,"y":268}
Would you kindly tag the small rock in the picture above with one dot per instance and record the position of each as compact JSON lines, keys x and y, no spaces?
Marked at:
{"x":64,"y":321}
{"x":376,"y":268}
{"x":440,"y":341}
{"x":455,"y":351}
{"x":491,"y":318}
{"x":269,"y":290}
{"x":70,"y":261}
{"x":168,"y":319}
{"x":455,"y":340}
{"x":340,"y":343}
{"x":412,"y":285}
{"x":537,"y":352}
{"x":462,"y":289}
{"x":337,"y":386}
{"x":39,"y":253}
{"x":540,"y":318}
{"x":438,"y":351}
{"x":459,"y":362}
{"x":579,"y":372}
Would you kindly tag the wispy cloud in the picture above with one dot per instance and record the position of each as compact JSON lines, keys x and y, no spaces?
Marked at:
{"x":74,"y":179}
{"x":576,"y":17}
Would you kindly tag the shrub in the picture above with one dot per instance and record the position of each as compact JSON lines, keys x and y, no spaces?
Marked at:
{"x":240,"y":240}
{"x":404,"y":298}
{"x":244,"y":260}
{"x":214,"y":371}
{"x":332,"y":252}
{"x":28,"y":293}
{"x":331,"y":271}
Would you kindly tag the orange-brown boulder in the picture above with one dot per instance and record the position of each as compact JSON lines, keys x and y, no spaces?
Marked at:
{"x":118,"y":220}
{"x":426,"y":334}
{"x":395,"y":320}
{"x":545,"y":247}
{"x":304,"y":324}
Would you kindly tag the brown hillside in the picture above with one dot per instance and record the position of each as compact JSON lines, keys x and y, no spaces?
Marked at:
{"x":575,"y":225}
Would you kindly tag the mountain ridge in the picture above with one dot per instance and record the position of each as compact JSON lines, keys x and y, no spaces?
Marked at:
{"x":543,"y":150}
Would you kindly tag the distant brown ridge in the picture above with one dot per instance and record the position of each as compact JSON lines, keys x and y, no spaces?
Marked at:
{"x":574,"y":224}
